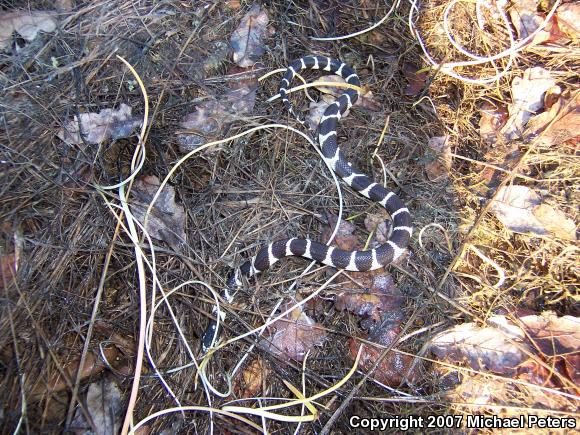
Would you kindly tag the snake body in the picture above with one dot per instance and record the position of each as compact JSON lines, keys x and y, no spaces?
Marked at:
{"x":366,"y":260}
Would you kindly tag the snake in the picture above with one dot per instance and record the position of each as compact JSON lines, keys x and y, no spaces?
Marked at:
{"x":356,"y":261}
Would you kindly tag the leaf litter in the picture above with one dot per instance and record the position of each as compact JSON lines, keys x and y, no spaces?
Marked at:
{"x":212,"y":117}
{"x":521,"y":210}
{"x":293,"y":336}
{"x":438,"y":167}
{"x":247,"y":40}
{"x":527,"y":98}
{"x":26,"y":23}
{"x":515,"y":348}
{"x":166,"y":221}
{"x":105,"y":408}
{"x":95,"y":128}
{"x":379,"y":304}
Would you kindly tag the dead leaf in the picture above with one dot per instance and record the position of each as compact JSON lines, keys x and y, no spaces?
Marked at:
{"x":243,"y":77}
{"x":8,"y":268}
{"x":232,"y":5}
{"x":493,"y":118}
{"x":555,"y":221}
{"x":248,"y":383}
{"x":416,"y":80}
{"x":526,"y":20}
{"x":553,"y":335}
{"x":211,"y":117}
{"x":317,"y":109}
{"x":377,"y":224}
{"x":248,"y":39}
{"x":105,"y":407}
{"x":293,"y":336}
{"x":565,"y":126}
{"x":521,"y":210}
{"x":513,"y":207}
{"x":240,"y":101}
{"x":382,"y":297}
{"x":26,"y":23}
{"x":167,"y":219}
{"x":569,"y":19}
{"x":98,"y":127}
{"x":438,"y":168}
{"x":552,"y":104}
{"x":54,"y":382}
{"x":527,"y":97}
{"x":394,"y":367}
{"x":484,"y":348}
{"x":516,"y":348}
{"x":344,"y":239}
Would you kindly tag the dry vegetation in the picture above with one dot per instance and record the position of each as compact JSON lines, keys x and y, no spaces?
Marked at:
{"x":70,"y":275}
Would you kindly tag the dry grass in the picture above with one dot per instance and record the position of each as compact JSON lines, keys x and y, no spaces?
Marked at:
{"x":54,"y":217}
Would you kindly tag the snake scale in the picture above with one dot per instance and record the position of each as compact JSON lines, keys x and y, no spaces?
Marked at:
{"x":327,"y":138}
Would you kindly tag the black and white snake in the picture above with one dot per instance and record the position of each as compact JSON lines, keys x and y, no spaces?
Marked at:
{"x":350,"y":260}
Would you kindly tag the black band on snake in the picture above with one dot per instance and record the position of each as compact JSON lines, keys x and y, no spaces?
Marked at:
{"x":350,"y":260}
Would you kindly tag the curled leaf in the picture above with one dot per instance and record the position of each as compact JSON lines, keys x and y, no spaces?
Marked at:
{"x":211,"y":117}
{"x":294,"y":335}
{"x":395,"y":367}
{"x":527,"y":97}
{"x":248,"y":39}
{"x":382,"y":297}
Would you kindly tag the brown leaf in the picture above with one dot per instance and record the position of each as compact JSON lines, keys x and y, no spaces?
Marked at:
{"x":553,"y":335}
{"x":244,"y":77}
{"x":344,"y":238}
{"x":392,"y":370}
{"x":104,"y":405}
{"x":249,"y":382}
{"x":248,"y":39}
{"x":521,"y":210}
{"x":317,"y":109}
{"x":526,"y":19}
{"x":493,"y":118}
{"x":98,"y":127}
{"x":293,"y":336}
{"x":372,"y":304}
{"x":438,"y":169}
{"x":527,"y":97}
{"x":555,"y":221}
{"x":416,"y":80}
{"x":377,"y":223}
{"x":232,"y":5}
{"x":515,"y":349}
{"x":54,"y":382}
{"x":565,"y":127}
{"x":569,"y":19}
{"x":26,"y":23}
{"x":484,"y":348}
{"x":513,"y":207}
{"x":167,"y":219}
{"x":8,"y":268}
{"x":375,"y":299}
